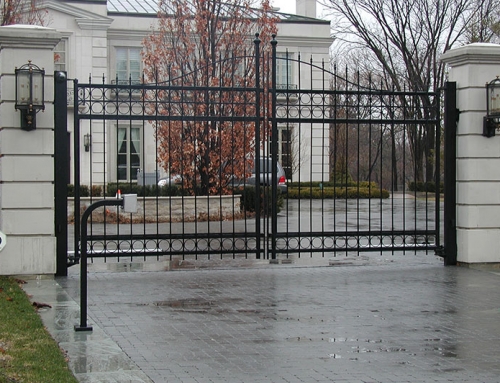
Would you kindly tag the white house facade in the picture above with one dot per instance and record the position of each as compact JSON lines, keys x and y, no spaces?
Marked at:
{"x":102,"y":42}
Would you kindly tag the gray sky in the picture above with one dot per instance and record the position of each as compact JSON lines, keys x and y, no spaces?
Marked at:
{"x":286,"y":6}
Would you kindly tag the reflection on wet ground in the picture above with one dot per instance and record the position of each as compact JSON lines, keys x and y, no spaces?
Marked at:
{"x":377,"y":318}
{"x":400,"y":212}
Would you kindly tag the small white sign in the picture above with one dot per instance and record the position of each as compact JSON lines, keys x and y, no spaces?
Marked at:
{"x":130,"y":203}
{"x":3,"y":240}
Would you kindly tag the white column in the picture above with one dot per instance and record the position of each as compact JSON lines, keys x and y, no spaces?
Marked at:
{"x":478,"y":157}
{"x":26,"y":157}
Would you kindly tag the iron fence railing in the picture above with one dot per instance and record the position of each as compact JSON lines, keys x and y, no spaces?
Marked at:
{"x":349,"y":147}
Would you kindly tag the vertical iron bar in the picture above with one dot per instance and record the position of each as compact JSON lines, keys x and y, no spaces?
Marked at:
{"x":311,"y":135}
{"x":437,"y":126}
{"x":76,"y":166}
{"x":257,"y":140}
{"x":157,"y":170}
{"x":274,"y":153}
{"x":450,"y":175}
{"x":358,"y":166}
{"x":404,"y":146}
{"x":416,"y":105}
{"x":231,"y":165}
{"x":325,"y":111}
{"x":209,"y":130}
{"x":346,"y":161}
{"x":334,"y":163}
{"x":299,"y":106}
{"x":127,"y":139}
{"x":394,"y":170}
{"x":169,"y":144}
{"x":381,"y":180}
{"x":61,"y":165}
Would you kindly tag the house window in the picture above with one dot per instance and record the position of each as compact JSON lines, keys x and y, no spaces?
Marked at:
{"x":284,"y":70}
{"x":128,"y":65}
{"x":285,"y":148}
{"x":128,"y":153}
{"x":60,"y":56}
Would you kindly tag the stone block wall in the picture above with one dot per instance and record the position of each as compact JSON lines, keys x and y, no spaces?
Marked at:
{"x":26,"y":158}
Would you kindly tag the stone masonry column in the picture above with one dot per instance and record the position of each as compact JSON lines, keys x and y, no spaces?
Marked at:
{"x":26,"y":158}
{"x":478,"y":157}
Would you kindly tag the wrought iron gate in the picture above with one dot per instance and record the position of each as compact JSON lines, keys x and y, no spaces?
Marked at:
{"x":354,"y":154}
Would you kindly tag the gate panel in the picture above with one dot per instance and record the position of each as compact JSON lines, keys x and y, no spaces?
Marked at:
{"x":362,"y":164}
{"x":187,"y":149}
{"x":364,"y":174}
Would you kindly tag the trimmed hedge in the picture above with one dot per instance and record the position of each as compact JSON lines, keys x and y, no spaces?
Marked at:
{"x":85,"y":191}
{"x":248,"y":199}
{"x":145,"y":191}
{"x":319,"y":184}
{"x":339,"y":192}
{"x":315,"y":190}
{"x":126,"y":188}
{"x":420,"y":186}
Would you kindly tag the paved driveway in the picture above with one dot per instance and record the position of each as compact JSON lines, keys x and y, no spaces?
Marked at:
{"x":370,"y":319}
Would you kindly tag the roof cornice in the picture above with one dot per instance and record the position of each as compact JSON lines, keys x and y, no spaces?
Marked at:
{"x":101,"y":24}
{"x":28,"y":36}
{"x":84,"y":19}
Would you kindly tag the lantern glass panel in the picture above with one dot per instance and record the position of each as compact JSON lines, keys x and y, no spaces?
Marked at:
{"x":494,"y":99}
{"x":23,"y":88}
{"x":37,"y":82}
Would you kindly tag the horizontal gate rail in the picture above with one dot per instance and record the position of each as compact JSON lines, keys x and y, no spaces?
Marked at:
{"x":362,"y":241}
{"x":361,"y":92}
{"x":121,"y":117}
{"x":102,"y":245}
{"x":353,"y":121}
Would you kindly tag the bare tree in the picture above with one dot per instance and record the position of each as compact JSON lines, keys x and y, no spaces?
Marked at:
{"x":484,"y":25}
{"x":400,"y":41}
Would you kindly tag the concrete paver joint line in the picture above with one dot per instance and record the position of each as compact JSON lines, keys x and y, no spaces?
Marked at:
{"x":394,"y":319}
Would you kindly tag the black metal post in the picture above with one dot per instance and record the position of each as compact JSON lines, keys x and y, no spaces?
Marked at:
{"x":61,"y":165}
{"x":83,"y":260}
{"x":257,"y":146}
{"x":76,"y":171}
{"x":450,"y":175}
{"x":274,"y":155}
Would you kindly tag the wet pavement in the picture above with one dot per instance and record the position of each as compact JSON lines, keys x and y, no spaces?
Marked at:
{"x":372,"y":318}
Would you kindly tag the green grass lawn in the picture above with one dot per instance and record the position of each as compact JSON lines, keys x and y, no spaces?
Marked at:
{"x":28,"y":354}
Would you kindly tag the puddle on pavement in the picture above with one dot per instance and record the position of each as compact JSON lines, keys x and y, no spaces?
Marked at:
{"x":180,"y":303}
{"x":332,"y":340}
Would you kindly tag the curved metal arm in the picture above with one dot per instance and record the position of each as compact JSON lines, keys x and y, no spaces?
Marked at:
{"x":83,"y":261}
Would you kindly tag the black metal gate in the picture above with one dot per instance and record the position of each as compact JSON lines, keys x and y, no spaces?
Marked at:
{"x":362,"y":163}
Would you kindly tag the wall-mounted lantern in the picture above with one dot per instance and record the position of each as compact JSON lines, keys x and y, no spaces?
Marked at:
{"x":491,"y":122}
{"x":29,"y":93}
{"x":87,"y":142}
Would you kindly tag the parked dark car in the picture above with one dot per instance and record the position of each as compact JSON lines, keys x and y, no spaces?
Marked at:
{"x":266,"y":175}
